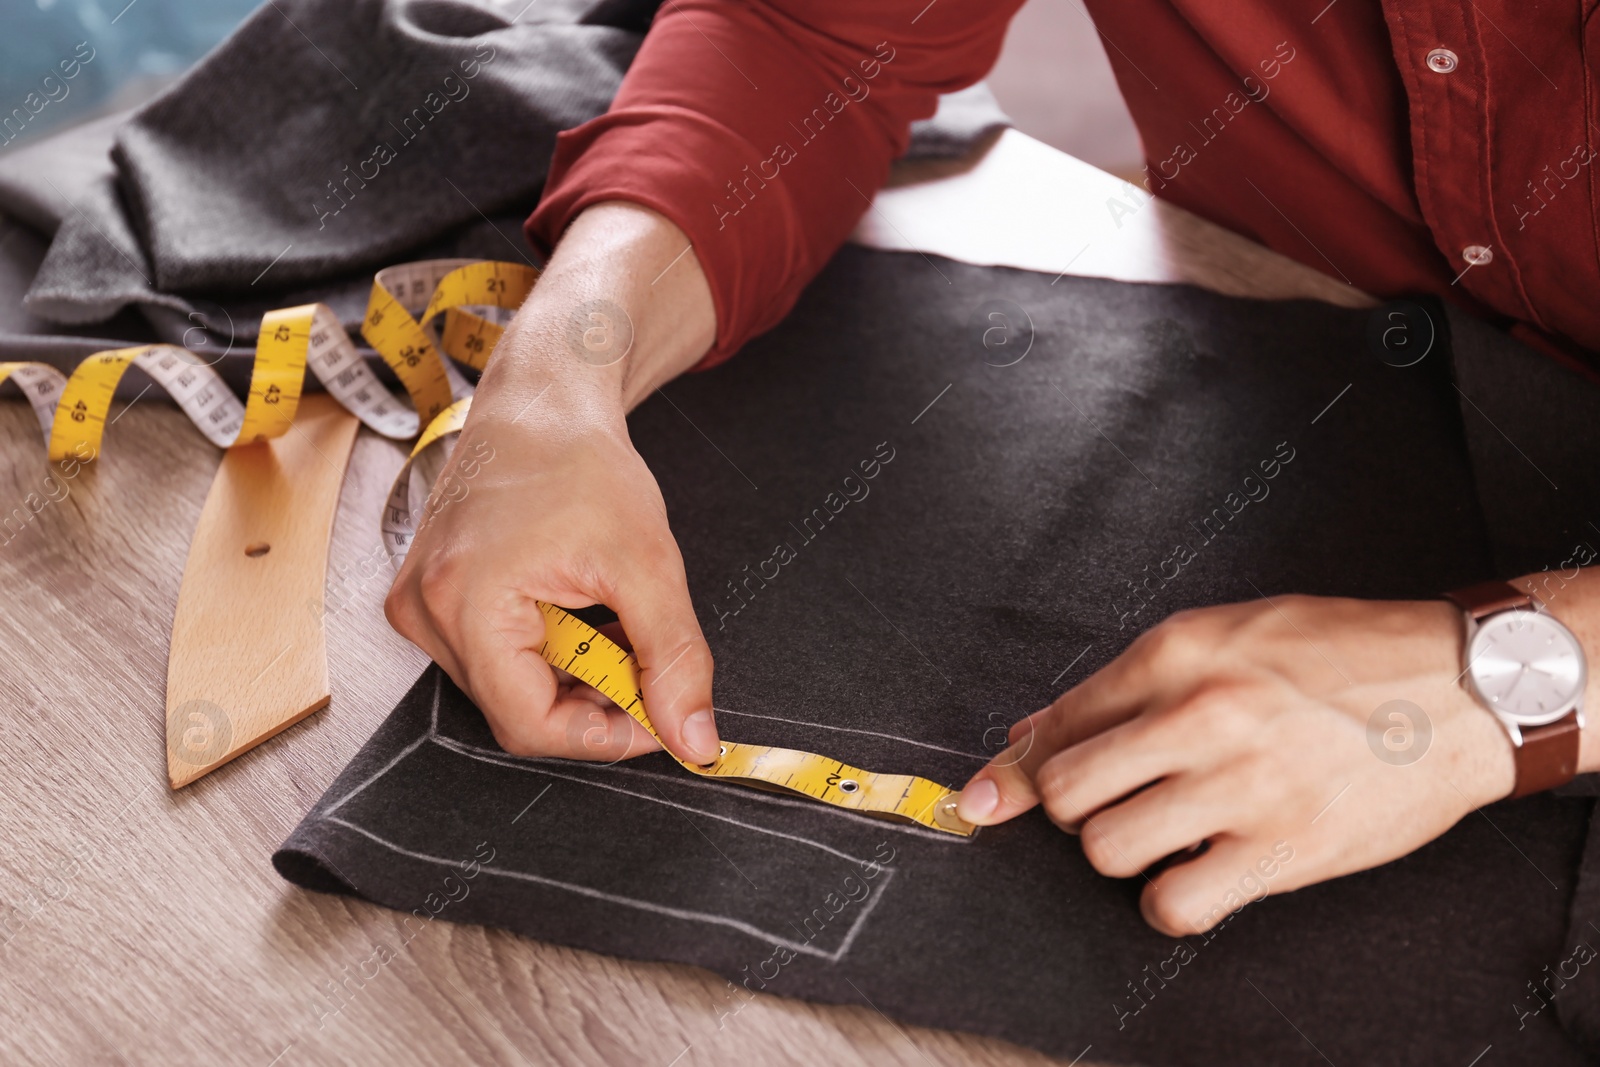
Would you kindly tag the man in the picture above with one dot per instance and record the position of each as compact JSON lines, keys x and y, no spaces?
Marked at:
{"x":1403,"y":148}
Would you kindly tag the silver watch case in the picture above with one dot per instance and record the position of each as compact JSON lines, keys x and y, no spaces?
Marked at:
{"x":1514,"y":723}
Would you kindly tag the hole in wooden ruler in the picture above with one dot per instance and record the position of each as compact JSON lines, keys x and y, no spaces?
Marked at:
{"x":257,"y":550}
{"x":849,"y":785}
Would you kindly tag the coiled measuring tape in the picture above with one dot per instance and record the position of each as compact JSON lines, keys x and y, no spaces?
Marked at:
{"x":410,"y":305}
{"x":416,"y":310}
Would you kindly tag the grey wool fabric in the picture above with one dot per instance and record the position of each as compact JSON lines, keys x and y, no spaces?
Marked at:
{"x":968,"y":533}
{"x":247,"y":163}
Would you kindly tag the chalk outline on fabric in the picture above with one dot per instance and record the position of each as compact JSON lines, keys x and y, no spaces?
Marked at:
{"x":645,"y":905}
{"x":740,"y":792}
{"x":513,"y":763}
{"x":737,"y":791}
{"x":450,"y":744}
{"x":732,"y":791}
{"x":854,"y":730}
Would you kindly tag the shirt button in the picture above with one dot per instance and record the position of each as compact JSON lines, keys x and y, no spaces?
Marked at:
{"x":1442,"y":61}
{"x":1478,"y":255}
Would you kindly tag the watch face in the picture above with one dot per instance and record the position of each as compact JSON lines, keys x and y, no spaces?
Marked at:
{"x":1526,"y":666}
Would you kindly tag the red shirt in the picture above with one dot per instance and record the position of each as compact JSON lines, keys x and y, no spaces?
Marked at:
{"x":1404,"y":147}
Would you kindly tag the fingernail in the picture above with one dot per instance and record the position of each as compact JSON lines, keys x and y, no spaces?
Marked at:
{"x":1147,"y":909}
{"x":700,"y":736}
{"x":978,"y":801}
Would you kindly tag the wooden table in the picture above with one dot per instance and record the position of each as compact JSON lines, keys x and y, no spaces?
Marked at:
{"x":145,"y":926}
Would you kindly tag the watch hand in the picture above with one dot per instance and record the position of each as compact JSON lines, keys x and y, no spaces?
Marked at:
{"x":1563,"y":670}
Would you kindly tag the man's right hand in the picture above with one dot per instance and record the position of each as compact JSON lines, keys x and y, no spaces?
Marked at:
{"x":562,"y":509}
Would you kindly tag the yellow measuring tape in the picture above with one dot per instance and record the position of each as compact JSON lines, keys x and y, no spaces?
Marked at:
{"x":406,"y":301}
{"x":415,"y":311}
{"x":593,"y":658}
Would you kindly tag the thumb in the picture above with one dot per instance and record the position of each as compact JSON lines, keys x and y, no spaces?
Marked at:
{"x":674,"y":659}
{"x":1004,"y":788}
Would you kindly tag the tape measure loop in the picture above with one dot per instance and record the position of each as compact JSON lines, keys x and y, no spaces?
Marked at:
{"x":73,"y":410}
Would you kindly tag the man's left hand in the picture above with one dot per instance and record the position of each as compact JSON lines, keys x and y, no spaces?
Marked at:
{"x":1299,"y":738}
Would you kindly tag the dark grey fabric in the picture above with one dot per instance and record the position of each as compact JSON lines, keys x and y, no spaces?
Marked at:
{"x":989,"y":562}
{"x":1532,"y":427}
{"x":964,"y":118}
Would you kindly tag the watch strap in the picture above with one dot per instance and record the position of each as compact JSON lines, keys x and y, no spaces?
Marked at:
{"x":1548,"y":754}
{"x":1486,"y":598}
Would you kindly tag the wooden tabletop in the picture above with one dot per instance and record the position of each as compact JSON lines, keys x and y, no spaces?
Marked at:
{"x":138,"y":925}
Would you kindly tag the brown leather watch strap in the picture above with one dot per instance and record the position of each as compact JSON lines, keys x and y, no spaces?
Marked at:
{"x":1548,"y":756}
{"x":1486,"y":598}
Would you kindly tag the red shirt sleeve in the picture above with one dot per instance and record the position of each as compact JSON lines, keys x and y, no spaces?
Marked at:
{"x":762,"y":129}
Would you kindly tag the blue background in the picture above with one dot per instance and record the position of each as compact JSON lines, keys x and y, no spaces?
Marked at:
{"x":138,"y":48}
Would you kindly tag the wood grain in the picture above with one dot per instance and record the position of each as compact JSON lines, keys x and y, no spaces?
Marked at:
{"x":248,"y":656}
{"x":143,"y":926}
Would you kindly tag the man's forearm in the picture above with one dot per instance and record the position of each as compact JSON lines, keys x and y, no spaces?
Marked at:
{"x":1574,"y":599}
{"x":622,"y":307}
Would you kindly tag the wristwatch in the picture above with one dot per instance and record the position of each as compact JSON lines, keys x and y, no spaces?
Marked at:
{"x":1529,"y":671}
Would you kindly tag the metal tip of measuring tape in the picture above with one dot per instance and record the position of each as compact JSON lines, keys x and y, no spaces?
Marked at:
{"x":944,"y":813}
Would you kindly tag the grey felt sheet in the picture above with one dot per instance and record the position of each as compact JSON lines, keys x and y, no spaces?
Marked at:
{"x":985,"y":567}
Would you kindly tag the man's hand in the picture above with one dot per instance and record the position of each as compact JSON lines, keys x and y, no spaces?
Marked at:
{"x":1265,"y":730}
{"x":565,"y":511}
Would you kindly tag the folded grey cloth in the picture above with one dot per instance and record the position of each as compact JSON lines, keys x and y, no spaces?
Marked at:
{"x":325,"y":139}
{"x":321,"y":138}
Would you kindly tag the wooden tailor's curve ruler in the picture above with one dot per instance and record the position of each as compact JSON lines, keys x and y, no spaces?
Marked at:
{"x":248,"y":655}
